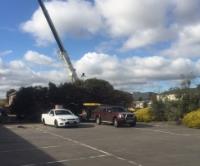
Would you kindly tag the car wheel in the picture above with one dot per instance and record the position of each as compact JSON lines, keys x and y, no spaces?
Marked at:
{"x":43,"y":121}
{"x":116,"y":123}
{"x":98,"y":120}
{"x":56,"y":123}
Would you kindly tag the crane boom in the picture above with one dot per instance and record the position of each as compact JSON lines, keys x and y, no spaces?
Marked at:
{"x":63,"y":53}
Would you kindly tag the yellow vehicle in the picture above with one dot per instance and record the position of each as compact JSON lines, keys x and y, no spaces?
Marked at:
{"x":87,"y":110}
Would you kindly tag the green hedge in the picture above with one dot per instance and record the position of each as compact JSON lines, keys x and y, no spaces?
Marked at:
{"x":144,"y":115}
{"x":192,"y":119}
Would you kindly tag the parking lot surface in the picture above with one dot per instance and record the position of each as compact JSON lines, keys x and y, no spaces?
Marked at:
{"x":153,"y":144}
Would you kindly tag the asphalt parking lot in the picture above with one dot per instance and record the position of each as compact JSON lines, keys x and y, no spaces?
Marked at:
{"x":155,"y":144}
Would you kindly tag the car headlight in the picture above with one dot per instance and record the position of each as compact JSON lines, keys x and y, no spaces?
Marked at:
{"x":62,"y":119}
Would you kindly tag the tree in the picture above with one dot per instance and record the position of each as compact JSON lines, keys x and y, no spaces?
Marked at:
{"x":99,"y":90}
{"x":30,"y":102}
{"x":53,"y":94}
{"x":187,"y":80}
{"x":121,"y":98}
{"x":140,"y":98}
{"x":158,"y":108}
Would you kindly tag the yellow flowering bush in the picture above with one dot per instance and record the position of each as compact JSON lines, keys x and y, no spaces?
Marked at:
{"x":192,"y":119}
{"x":144,"y":115}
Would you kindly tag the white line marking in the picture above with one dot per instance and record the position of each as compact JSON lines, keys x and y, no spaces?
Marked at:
{"x":165,"y":132}
{"x":91,"y":147}
{"x":120,"y":158}
{"x":80,"y":143}
{"x":132,"y":162}
{"x":66,"y":160}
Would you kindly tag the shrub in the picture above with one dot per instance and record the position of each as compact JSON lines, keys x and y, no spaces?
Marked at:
{"x":172,"y":114}
{"x":144,"y":115}
{"x":192,"y":119}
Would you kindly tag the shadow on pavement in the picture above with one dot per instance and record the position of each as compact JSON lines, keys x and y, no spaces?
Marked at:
{"x":138,"y":125}
{"x":86,"y":125}
{"x":143,"y":125}
{"x":81,"y":125}
{"x":16,"y":151}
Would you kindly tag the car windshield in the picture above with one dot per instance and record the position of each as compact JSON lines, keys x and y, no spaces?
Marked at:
{"x":62,"y":112}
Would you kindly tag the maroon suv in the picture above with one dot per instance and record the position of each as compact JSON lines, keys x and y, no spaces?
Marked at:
{"x":113,"y":114}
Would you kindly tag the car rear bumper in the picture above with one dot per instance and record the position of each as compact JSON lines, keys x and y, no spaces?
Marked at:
{"x":127,"y":121}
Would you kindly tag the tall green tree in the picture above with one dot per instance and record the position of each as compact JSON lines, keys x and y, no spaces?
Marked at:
{"x":99,"y":90}
{"x":30,"y":102}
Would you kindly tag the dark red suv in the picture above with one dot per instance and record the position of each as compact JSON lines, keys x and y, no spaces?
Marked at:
{"x":113,"y":114}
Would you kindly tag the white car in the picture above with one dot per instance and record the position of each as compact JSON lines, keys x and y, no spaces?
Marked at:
{"x":60,"y":118}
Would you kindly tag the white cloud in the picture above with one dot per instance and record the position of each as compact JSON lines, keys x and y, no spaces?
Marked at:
{"x":94,"y":63}
{"x":1,"y":62}
{"x":137,"y":70}
{"x":75,"y":17}
{"x":56,"y":76}
{"x":186,"y":11}
{"x":148,"y":37}
{"x":37,"y":58}
{"x":138,"y":23}
{"x":187,"y":43}
{"x":128,"y":73}
{"x":6,"y":52}
{"x":131,"y":24}
{"x":18,"y":73}
{"x":190,"y":35}
{"x":146,"y":23}
{"x":129,"y":16}
{"x":17,"y":64}
{"x":3,"y":69}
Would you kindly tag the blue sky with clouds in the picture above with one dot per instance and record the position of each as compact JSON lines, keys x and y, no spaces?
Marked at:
{"x":135,"y":45}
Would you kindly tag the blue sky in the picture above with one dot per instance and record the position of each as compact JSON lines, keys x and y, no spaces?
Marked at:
{"x":129,"y":43}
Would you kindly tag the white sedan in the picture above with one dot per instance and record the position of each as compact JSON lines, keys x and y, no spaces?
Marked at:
{"x":60,"y":118}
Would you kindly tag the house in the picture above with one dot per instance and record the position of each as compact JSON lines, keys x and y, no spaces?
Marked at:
{"x":143,"y":99}
{"x":167,"y":97}
{"x":142,"y":104}
{"x":139,"y":104}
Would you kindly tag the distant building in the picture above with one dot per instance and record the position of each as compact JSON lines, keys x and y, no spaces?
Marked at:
{"x":139,"y":104}
{"x":167,"y":97}
{"x":142,"y":104}
{"x":143,"y":99}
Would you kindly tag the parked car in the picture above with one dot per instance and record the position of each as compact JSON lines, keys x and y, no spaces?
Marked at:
{"x":60,"y":118}
{"x":113,"y":114}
